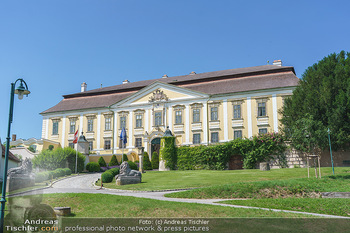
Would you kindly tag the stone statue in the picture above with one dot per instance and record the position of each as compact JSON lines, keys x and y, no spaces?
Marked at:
{"x":125,"y":170}
{"x":20,"y":177}
{"x":127,"y":176}
{"x":24,"y":169}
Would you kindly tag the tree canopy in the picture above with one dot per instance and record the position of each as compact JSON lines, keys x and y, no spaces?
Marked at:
{"x":321,"y":101}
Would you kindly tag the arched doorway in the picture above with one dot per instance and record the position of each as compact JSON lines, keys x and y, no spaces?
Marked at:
{"x":155,"y":146}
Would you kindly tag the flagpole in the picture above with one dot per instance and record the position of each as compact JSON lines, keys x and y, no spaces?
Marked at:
{"x":76,"y":160}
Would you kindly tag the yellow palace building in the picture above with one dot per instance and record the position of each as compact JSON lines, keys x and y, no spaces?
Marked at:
{"x":199,"y":108}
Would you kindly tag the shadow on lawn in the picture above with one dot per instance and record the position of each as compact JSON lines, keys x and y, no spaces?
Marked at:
{"x":341,"y":177}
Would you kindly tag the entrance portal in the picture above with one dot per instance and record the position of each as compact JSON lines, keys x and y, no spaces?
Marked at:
{"x":155,"y":146}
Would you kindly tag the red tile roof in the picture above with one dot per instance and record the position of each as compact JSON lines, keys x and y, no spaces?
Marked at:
{"x":217,"y":82}
{"x":11,"y":156}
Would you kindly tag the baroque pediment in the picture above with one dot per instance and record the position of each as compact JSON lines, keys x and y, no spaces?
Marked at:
{"x":160,"y":92}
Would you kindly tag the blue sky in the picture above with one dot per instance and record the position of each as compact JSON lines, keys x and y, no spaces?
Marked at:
{"x":58,"y":44}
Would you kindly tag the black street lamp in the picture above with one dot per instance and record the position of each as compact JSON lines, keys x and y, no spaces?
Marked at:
{"x":20,"y":91}
{"x":330,"y":148}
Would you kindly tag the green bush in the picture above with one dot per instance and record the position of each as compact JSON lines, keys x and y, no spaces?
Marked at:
{"x":58,"y":158}
{"x":215,"y":157}
{"x":54,"y":174}
{"x":114,"y":161}
{"x":102,"y":162}
{"x":168,"y":152}
{"x":107,"y":177}
{"x":114,"y":171}
{"x":132,"y":165}
{"x":93,"y":167}
{"x":125,"y":157}
{"x":155,"y":160}
{"x":67,"y":171}
{"x":61,"y":172}
{"x":146,"y":163}
{"x":41,"y":176}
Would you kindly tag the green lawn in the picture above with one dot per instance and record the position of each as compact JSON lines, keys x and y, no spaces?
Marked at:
{"x":156,"y":180}
{"x":332,"y":206}
{"x":300,"y":187}
{"x":105,"y":205}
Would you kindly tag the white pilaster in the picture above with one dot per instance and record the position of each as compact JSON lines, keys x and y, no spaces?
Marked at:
{"x":187,"y":124}
{"x":130,"y":130}
{"x":98,"y":137}
{"x":249,"y":115}
{"x":115,"y":127}
{"x":81,"y":124}
{"x":146,"y":129}
{"x":165,"y":117}
{"x":205,"y":123}
{"x":63,"y":131}
{"x":47,"y":128}
{"x":147,"y":120}
{"x":275,"y":115}
{"x":225,"y":120}
{"x":170,"y":121}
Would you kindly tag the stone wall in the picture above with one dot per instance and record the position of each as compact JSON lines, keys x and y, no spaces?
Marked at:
{"x":296,"y":158}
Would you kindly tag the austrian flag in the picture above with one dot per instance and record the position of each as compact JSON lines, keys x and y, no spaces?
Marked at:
{"x":75,"y":140}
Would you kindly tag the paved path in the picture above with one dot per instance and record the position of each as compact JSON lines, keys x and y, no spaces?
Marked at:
{"x":85,"y":184}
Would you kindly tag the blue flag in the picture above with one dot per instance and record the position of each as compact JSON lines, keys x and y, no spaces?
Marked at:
{"x":123,"y":136}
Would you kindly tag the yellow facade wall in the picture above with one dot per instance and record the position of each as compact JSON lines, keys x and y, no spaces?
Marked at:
{"x":181,"y":138}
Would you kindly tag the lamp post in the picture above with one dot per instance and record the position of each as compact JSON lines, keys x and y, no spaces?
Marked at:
{"x":330,"y":147}
{"x":20,"y":91}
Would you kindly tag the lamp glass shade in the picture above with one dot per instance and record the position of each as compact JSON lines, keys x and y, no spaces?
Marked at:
{"x":21,"y":90}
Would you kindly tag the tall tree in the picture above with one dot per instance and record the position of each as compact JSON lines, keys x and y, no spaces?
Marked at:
{"x":322,"y":100}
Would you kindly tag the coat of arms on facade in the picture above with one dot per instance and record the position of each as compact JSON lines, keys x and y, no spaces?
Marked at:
{"x":158,"y":96}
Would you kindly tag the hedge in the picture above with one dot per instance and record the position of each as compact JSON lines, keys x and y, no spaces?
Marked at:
{"x":155,"y":160}
{"x":67,"y":171}
{"x":114,"y":171}
{"x":113,"y":162}
{"x":168,"y":152}
{"x":48,"y":175}
{"x":93,"y":167}
{"x":260,"y":148}
{"x":146,"y":163}
{"x":107,"y":177}
{"x":125,"y":157}
{"x":132,"y":165}
{"x":102,"y":162}
{"x":41,"y":176}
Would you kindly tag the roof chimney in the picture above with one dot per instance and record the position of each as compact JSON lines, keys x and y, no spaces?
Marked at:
{"x":277,"y":62}
{"x":14,"y":137}
{"x":192,"y":73}
{"x":83,"y":87}
{"x":126,"y":81}
{"x":164,"y":76}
